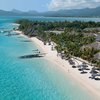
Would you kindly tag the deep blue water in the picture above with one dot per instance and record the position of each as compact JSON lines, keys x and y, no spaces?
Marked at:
{"x":31,"y":79}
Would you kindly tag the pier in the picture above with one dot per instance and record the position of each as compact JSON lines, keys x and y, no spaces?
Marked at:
{"x":36,"y":54}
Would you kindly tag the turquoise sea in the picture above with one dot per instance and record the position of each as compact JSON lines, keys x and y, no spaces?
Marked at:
{"x":32,"y":79}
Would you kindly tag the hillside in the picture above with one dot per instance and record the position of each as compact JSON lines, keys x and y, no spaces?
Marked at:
{"x":87,"y":12}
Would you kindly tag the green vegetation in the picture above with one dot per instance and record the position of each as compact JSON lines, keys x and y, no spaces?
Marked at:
{"x":70,"y":41}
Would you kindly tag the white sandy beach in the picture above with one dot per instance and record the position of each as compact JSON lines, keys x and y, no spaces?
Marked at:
{"x":91,"y":85}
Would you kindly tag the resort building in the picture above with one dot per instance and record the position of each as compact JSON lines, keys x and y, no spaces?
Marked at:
{"x":97,"y":56}
{"x":95,"y":45}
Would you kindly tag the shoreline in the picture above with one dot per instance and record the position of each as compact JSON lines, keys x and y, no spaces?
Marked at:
{"x":90,"y":85}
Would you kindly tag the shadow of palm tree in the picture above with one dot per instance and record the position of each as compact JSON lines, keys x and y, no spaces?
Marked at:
{"x":25,"y":41}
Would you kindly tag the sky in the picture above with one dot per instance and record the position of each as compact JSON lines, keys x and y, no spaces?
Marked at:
{"x":47,"y":5}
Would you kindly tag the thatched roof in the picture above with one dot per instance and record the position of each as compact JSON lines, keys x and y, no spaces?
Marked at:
{"x":55,"y":31}
{"x":91,"y":29}
{"x":97,"y":56}
{"x":98,"y":38}
{"x":95,"y":45}
{"x":89,"y":34}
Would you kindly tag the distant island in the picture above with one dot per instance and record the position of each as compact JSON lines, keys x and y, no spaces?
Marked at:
{"x":86,"y":12}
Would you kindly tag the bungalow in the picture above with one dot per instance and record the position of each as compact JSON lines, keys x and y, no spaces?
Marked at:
{"x":89,"y":34}
{"x":95,"y":45}
{"x":54,"y":31}
{"x":98,"y":37}
{"x":97,"y":56}
{"x":92,"y":29}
